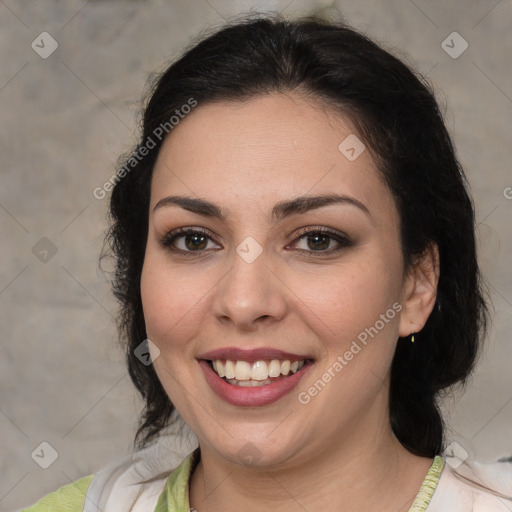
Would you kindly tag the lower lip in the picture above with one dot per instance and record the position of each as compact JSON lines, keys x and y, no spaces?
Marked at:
{"x":254,"y":396}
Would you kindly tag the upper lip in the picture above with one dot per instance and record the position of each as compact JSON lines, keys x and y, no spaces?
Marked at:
{"x":251,"y":355}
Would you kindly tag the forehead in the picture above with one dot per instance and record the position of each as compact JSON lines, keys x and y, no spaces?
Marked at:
{"x":273,"y":147}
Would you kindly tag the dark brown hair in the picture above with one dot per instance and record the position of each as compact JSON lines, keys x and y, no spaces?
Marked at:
{"x":397,"y":116}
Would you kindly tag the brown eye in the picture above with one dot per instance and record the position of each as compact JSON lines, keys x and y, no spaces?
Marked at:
{"x":318,"y":241}
{"x":194,"y":240}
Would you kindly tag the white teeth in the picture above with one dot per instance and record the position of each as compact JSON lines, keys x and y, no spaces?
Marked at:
{"x":249,"y":383}
{"x":252,"y":374}
{"x":217,"y":365}
{"x":259,"y":371}
{"x":229,"y":369}
{"x":274,"y":368}
{"x":242,"y":370}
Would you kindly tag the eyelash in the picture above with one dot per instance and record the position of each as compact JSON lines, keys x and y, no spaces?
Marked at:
{"x":344,"y":241}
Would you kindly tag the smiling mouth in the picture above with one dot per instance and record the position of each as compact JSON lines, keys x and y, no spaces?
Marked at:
{"x":257,"y":373}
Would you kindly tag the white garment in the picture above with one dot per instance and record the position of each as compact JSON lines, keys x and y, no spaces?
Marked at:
{"x":118,"y":487}
{"x":463,"y":486}
{"x":473,"y":486}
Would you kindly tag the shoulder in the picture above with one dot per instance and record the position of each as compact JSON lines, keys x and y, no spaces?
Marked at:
{"x":69,"y":498}
{"x":131,"y":483}
{"x":473,"y":486}
{"x":136,"y":482}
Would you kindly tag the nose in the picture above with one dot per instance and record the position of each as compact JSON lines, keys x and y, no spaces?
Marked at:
{"x":250,"y":294}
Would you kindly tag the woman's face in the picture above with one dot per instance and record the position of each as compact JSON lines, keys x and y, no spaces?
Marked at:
{"x":254,"y":286}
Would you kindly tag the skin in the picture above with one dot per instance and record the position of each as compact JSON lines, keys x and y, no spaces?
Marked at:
{"x":337,"y":452}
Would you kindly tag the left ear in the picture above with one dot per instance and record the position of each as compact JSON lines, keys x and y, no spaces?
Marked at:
{"x":419,"y":291}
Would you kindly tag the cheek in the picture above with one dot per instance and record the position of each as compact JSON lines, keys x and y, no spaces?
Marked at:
{"x":347,"y":299}
{"x":165,"y":305}
{"x":359,"y":328}
{"x":168,"y":301}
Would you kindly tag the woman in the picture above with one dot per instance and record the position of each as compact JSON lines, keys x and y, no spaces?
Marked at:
{"x":297,"y":272}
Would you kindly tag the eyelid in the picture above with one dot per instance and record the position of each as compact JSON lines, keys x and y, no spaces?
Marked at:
{"x":320,"y":229}
{"x":344,"y":241}
{"x":341,"y":238}
{"x":171,"y":236}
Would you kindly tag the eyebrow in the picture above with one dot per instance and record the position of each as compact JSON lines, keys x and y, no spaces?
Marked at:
{"x":280,"y":210}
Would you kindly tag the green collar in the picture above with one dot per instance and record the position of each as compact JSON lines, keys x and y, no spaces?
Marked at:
{"x":428,"y":486}
{"x":175,"y":497}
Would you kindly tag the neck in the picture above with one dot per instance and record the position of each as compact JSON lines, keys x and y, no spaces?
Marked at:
{"x":366,"y":470}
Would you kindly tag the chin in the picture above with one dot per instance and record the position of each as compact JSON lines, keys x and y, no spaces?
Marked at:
{"x":257,"y":451}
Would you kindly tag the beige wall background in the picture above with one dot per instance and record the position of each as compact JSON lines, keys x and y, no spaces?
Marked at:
{"x":65,"y":118}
